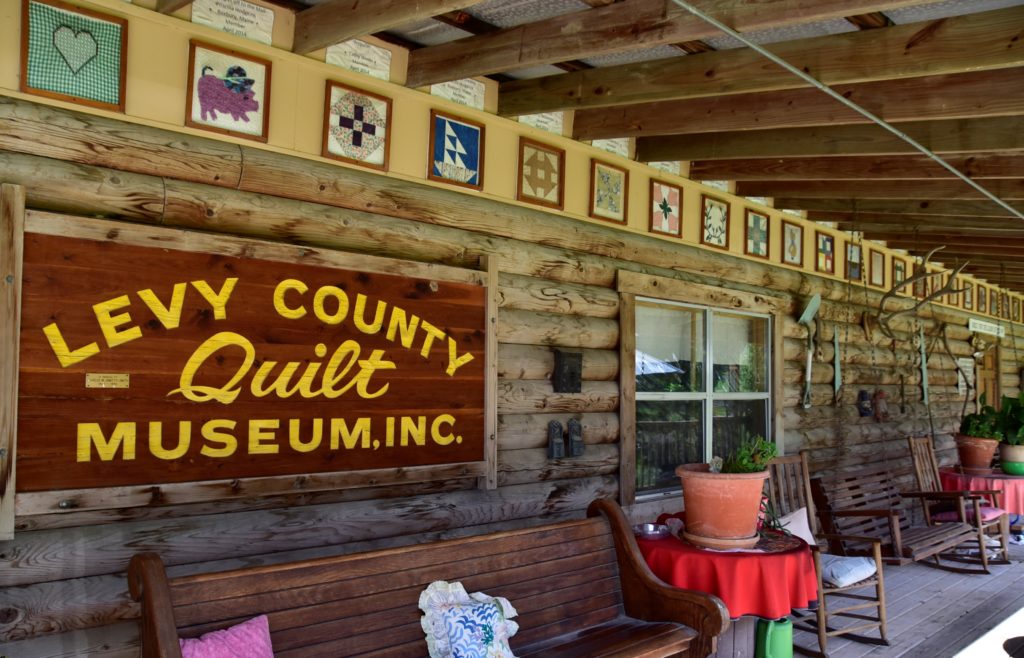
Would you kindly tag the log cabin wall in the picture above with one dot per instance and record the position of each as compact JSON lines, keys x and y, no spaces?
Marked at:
{"x":63,"y":589}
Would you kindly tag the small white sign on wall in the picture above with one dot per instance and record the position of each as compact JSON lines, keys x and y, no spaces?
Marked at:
{"x":468,"y":92}
{"x":665,"y":166}
{"x":552,"y":122}
{"x":618,"y":145}
{"x":361,"y":57}
{"x":965,"y":375}
{"x":983,"y":327}
{"x":236,"y":17}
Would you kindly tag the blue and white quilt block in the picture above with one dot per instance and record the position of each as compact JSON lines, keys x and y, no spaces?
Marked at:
{"x":456,"y":150}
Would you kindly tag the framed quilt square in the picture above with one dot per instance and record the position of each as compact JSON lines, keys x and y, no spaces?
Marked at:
{"x":792,"y":244}
{"x":826,"y":250}
{"x":899,"y":271}
{"x":609,"y":191}
{"x":968,"y":296}
{"x":756,"y":234}
{"x":993,"y":301}
{"x":73,"y":54}
{"x":854,"y":262}
{"x":953,"y":298}
{"x":876,"y":267}
{"x":228,"y":91}
{"x":666,"y":206}
{"x":714,"y":229}
{"x":982,"y":299}
{"x":541,"y":173}
{"x":1016,"y":309}
{"x":357,"y":126}
{"x":1004,"y":304}
{"x":456,"y":150}
{"x":921,"y":285}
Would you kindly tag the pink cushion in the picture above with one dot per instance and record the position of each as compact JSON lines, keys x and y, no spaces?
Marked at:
{"x":987,"y":514}
{"x":250,"y":639}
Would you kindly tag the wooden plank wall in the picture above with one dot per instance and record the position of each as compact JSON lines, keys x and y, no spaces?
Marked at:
{"x":63,"y":588}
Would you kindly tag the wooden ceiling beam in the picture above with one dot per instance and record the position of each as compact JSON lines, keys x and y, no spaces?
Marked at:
{"x":900,"y":240}
{"x":981,"y":226}
{"x":953,"y":188}
{"x":335,"y":21}
{"x":615,"y":28}
{"x":905,"y":207}
{"x":900,"y":51}
{"x":952,"y":96}
{"x":897,"y":167}
{"x":960,"y":254}
{"x":992,"y":134}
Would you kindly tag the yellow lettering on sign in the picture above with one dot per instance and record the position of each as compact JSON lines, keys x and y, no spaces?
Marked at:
{"x":435,"y":431}
{"x":109,"y":323}
{"x":295,"y":440}
{"x":359,"y":315}
{"x":91,"y":434}
{"x":454,"y":363}
{"x":360,"y":433}
{"x":217,"y":300}
{"x":169,"y":316}
{"x":284,"y":311}
{"x":260,"y":435}
{"x":65,"y":355}
{"x":415,"y":428}
{"x":320,"y":310}
{"x":213,"y":432}
{"x":156,"y":445}
{"x":432,"y":332}
{"x":227,"y":393}
{"x":398,"y":324}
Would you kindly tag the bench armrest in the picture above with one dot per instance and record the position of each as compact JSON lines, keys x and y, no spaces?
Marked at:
{"x":866,"y":512}
{"x":858,"y":539}
{"x":147,"y":583}
{"x":645,"y":596}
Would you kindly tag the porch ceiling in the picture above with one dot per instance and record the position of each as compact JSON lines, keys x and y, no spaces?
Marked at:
{"x":949,"y":73}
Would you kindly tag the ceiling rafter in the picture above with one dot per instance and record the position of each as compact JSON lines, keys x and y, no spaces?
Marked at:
{"x":896,"y":167}
{"x":964,"y":208}
{"x":335,"y":21}
{"x":910,"y":50}
{"x":951,"y":96}
{"x":952,"y":188}
{"x":615,"y":28}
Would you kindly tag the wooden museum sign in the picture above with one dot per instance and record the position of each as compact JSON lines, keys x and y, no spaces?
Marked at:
{"x":152,"y":356}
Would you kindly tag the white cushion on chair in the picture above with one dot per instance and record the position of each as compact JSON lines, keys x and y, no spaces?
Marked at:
{"x":796,"y":524}
{"x":840,"y":571}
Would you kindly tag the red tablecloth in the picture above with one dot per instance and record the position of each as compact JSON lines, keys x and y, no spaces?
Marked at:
{"x":1012,"y":486}
{"x":768,"y":585}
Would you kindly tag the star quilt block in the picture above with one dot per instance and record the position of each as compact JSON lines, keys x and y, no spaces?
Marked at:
{"x":756,"y":243}
{"x":356,"y":126}
{"x":456,"y":150}
{"x":666,"y":208}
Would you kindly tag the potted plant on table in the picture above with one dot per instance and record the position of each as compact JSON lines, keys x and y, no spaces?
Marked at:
{"x":1011,"y":425}
{"x":980,"y":434}
{"x":722,"y":503}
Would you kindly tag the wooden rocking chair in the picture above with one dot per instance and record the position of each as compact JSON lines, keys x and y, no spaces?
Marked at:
{"x":789,"y":490}
{"x":866,"y":502}
{"x":992,"y":518}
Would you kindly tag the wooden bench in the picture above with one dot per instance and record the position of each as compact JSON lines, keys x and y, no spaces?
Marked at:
{"x":866,"y":502}
{"x":581,"y":589}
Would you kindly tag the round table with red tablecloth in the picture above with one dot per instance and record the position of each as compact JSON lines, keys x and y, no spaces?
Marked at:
{"x":1011,"y":486}
{"x":767,"y":584}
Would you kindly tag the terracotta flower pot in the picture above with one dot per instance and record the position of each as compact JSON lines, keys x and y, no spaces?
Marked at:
{"x":976,"y":453}
{"x":721,"y":508}
{"x":1011,"y":458}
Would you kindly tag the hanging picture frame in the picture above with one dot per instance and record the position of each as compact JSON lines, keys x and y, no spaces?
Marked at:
{"x":899,"y":272}
{"x":756,"y":233}
{"x":921,"y":285}
{"x":714,"y":228}
{"x":792,"y":243}
{"x":876,"y":268}
{"x":982,"y":299}
{"x":456,"y":150}
{"x":968,"y":296}
{"x":993,"y":302}
{"x":825,"y":245}
{"x":228,"y":91}
{"x":357,"y":126}
{"x":73,"y":54}
{"x":541,"y":178}
{"x":666,"y":208}
{"x":1016,"y":309}
{"x":609,"y":191}
{"x":854,"y":261}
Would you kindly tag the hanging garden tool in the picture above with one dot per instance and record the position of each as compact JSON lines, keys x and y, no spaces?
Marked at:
{"x":807,"y":319}
{"x":837,"y":373}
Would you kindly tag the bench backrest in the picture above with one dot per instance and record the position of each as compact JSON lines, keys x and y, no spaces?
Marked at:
{"x":558,"y":577}
{"x":865,"y":489}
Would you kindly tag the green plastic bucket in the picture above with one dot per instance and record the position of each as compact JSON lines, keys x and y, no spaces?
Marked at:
{"x":773,"y":639}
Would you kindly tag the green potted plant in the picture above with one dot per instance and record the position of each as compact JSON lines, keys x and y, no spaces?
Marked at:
{"x":722,"y":499}
{"x":979,"y":436}
{"x":1011,"y":425}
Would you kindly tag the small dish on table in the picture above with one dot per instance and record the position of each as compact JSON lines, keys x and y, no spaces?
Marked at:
{"x":651,"y":530}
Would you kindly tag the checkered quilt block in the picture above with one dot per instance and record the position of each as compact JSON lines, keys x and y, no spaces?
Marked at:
{"x":541,"y":177}
{"x":665,"y":202}
{"x":757,"y":234}
{"x":825,"y":253}
{"x":358,"y":127}
{"x":73,"y":54}
{"x":456,"y":151}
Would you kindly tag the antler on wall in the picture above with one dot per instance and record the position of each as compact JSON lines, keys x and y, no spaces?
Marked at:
{"x":921,"y":274}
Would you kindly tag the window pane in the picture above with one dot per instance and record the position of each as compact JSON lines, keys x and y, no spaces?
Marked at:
{"x":668,"y":434}
{"x":669,"y":349}
{"x":740,"y":353}
{"x":734,"y":419}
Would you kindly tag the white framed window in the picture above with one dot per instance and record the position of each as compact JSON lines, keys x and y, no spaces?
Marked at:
{"x":703,"y":382}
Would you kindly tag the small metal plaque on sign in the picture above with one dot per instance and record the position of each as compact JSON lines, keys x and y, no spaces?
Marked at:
{"x":106,"y":380}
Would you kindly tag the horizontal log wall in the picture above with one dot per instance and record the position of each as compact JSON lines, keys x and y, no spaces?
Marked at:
{"x":63,"y":572}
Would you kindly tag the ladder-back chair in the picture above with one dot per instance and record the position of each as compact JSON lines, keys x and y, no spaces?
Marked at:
{"x":992,"y":518}
{"x":789,"y":491}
